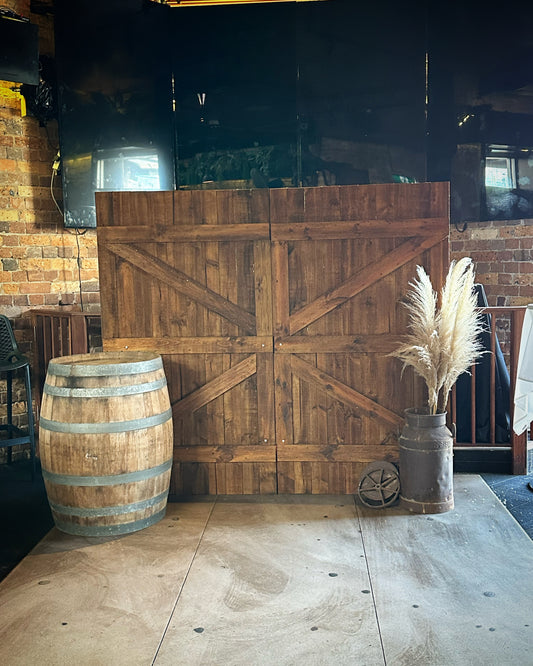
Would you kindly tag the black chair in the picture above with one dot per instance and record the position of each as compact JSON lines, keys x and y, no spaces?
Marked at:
{"x":12,"y":360}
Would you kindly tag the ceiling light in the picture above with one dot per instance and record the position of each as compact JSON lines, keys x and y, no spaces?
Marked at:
{"x":204,"y":3}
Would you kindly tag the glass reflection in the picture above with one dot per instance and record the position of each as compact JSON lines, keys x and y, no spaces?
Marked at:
{"x":115,"y":99}
{"x":126,"y":169}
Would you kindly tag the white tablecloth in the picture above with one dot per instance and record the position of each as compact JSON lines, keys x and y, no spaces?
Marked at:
{"x":523,"y":396}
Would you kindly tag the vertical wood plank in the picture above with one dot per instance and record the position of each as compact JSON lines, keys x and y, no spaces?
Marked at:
{"x":280,"y":283}
{"x":287,"y":205}
{"x":265,"y":398}
{"x":263,"y":287}
{"x":283,"y":397}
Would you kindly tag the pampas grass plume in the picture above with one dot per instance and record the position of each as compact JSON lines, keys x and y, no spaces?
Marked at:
{"x":442,"y":344}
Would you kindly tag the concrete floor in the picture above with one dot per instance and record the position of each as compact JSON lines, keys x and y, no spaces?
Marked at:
{"x":281,"y":580}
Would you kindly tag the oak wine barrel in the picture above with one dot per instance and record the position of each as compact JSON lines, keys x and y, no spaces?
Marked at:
{"x":105,"y":441}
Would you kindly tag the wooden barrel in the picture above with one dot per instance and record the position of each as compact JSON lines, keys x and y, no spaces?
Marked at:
{"x":105,"y":441}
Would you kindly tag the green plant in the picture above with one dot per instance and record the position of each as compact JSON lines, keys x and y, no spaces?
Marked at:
{"x":442,"y":343}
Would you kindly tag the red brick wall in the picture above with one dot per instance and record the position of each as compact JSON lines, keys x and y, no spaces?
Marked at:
{"x":502,"y":252}
{"x":41,"y":263}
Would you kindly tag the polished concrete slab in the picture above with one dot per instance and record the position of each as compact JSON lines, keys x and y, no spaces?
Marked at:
{"x":281,"y":580}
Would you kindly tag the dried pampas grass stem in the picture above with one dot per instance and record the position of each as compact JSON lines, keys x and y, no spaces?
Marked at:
{"x":442,"y":344}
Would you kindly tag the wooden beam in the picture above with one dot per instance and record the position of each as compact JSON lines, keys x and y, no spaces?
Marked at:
{"x":199,"y":345}
{"x":342,"y":392}
{"x":215,"y":388}
{"x":160,"y":270}
{"x":346,"y":229}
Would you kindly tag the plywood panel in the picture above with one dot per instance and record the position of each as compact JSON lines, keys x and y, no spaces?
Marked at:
{"x":282,"y":580}
{"x":442,"y":606}
{"x":276,"y":583}
{"x":99,"y":600}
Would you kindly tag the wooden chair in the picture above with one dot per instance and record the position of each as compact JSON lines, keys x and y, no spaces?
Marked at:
{"x":12,"y":360}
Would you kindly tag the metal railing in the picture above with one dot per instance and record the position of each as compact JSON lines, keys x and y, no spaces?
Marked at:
{"x":505,"y":331}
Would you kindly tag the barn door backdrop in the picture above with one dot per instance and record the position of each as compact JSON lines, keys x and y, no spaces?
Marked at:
{"x":274,"y":311}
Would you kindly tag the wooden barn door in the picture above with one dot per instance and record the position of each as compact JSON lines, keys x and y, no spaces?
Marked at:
{"x":274,"y":312}
{"x":342,"y":258}
{"x":188,"y":275}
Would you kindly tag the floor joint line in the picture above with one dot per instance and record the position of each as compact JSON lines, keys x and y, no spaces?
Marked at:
{"x":178,"y":596}
{"x":370,"y":582}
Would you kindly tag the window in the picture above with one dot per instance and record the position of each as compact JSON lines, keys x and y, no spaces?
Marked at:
{"x":508,"y":181}
{"x":500,"y":172}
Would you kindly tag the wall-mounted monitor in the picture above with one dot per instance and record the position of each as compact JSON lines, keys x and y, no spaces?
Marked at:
{"x":279,"y":94}
{"x":115,"y":101}
{"x":19,"y":51}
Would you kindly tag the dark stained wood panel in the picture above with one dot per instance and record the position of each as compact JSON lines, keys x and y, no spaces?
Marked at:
{"x":275,"y":312}
{"x":195,"y":286}
{"x":342,"y":258}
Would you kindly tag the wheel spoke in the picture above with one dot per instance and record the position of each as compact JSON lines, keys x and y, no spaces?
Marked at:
{"x":379,"y":485}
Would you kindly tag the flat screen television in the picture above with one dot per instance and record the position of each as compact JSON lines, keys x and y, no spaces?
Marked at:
{"x":251,"y":95}
{"x":19,"y":51}
{"x":115,"y":101}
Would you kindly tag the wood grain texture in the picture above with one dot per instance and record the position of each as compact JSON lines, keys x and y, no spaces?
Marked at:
{"x":182,"y":282}
{"x":194,"y":345}
{"x":369,"y":344}
{"x":461,"y":585}
{"x":191,"y":479}
{"x":158,"y":233}
{"x":280,"y":281}
{"x":275,"y":312}
{"x":342,"y":261}
{"x":133,"y":208}
{"x":334,"y":453}
{"x":196,"y":286}
{"x":215,"y":387}
{"x":342,"y":392}
{"x":360,"y":281}
{"x":106,"y":441}
{"x":345,"y":229}
{"x":98,"y":600}
{"x":255,"y":599}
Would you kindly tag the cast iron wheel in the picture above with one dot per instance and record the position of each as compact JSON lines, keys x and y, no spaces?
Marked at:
{"x":379,"y":485}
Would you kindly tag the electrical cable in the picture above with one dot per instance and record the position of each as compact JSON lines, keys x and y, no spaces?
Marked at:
{"x":52,"y":192}
{"x":78,"y":260}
